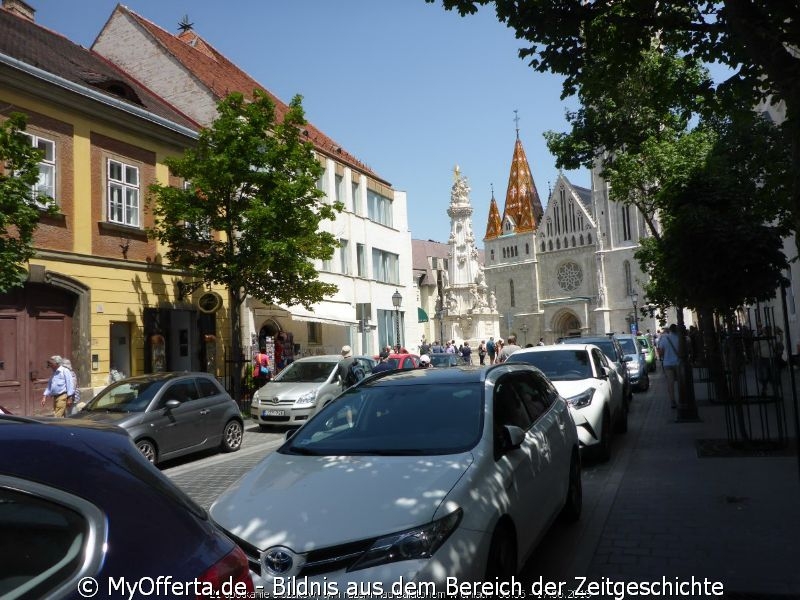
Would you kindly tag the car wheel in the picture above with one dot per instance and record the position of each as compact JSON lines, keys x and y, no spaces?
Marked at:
{"x":574,"y":502}
{"x":148,"y":450}
{"x":502,"y":561}
{"x":232,"y":436}
{"x":604,"y":447}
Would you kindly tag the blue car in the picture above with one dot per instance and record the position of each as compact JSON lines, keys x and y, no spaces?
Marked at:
{"x":635,"y":361}
{"x":82,"y":511}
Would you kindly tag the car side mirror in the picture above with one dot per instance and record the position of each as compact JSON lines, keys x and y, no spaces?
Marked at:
{"x":290,"y":432}
{"x":172,"y":404}
{"x":511,"y":438}
{"x":604,"y":373}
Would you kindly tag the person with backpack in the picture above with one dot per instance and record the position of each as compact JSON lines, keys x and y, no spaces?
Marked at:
{"x":349,"y":369}
{"x":490,"y":350}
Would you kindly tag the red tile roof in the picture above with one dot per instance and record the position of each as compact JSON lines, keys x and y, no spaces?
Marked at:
{"x":522,"y":199}
{"x":49,"y":51}
{"x":222,"y":77}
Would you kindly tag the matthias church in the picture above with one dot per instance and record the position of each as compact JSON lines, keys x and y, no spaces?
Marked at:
{"x":569,"y":268}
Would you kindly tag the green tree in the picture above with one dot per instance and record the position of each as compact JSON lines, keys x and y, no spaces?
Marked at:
{"x":595,"y":44}
{"x":252,"y":178}
{"x":20,"y":207}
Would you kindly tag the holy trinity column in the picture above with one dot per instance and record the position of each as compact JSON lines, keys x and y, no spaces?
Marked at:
{"x":470,"y":308}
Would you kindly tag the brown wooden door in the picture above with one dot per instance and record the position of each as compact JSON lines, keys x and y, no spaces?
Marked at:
{"x":35,"y":323}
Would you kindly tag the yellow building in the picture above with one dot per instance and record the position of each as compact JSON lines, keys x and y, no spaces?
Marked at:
{"x":98,"y":290}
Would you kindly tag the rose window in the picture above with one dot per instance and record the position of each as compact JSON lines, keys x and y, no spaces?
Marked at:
{"x":569,"y":276}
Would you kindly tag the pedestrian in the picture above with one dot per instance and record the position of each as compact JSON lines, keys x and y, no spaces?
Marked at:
{"x":76,"y":397}
{"x":466,"y":353}
{"x":541,"y":342}
{"x":765,"y":365}
{"x":424,"y":362}
{"x":482,"y":352}
{"x":424,"y":347}
{"x":498,"y":348}
{"x":668,"y":345}
{"x":508,"y":349}
{"x":451,"y":348}
{"x":437,"y":347}
{"x":344,"y":366}
{"x":383,"y":363}
{"x":60,"y":387}
{"x":261,"y":370}
{"x":491,"y":350}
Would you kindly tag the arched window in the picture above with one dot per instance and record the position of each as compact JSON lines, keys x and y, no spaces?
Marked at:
{"x":511,"y":292}
{"x":588,"y":238}
{"x":527,"y":248}
{"x":626,"y":265}
{"x":542,"y":245}
{"x":550,"y":244}
{"x":504,"y":252}
{"x":581,"y":239}
{"x":491,"y":253}
{"x":558,"y":244}
{"x":573,"y":241}
{"x":516,"y":251}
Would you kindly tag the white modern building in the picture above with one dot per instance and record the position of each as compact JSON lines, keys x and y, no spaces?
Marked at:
{"x":372,"y":265}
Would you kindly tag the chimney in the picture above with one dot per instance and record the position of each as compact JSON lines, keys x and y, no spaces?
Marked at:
{"x":20,"y":8}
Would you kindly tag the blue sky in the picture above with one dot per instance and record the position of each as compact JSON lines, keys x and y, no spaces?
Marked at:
{"x":408,"y":88}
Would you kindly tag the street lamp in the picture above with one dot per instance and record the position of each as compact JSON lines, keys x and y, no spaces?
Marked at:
{"x":635,"y":301}
{"x":397,"y":300}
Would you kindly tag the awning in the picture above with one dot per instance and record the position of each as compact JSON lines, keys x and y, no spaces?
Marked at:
{"x":325,"y":320}
{"x":422,"y":316}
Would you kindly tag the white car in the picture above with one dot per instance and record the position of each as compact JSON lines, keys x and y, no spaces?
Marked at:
{"x":428,"y":476}
{"x":591,"y":385}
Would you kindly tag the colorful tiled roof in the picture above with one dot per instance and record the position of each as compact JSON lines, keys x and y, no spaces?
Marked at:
{"x":222,"y":77}
{"x":39,"y":47}
{"x":495,"y":226}
{"x":522,"y":200}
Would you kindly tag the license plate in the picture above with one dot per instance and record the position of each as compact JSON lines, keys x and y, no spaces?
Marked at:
{"x":273,"y":413}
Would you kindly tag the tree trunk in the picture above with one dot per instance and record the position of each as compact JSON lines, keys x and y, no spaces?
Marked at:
{"x":716,"y":364}
{"x":687,"y":407}
{"x":735,"y":364}
{"x":236,"y":359}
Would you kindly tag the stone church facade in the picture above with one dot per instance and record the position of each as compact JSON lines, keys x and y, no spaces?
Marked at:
{"x":567,"y":269}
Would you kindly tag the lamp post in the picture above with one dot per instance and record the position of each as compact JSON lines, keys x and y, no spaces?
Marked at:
{"x":397,"y":300}
{"x":635,"y":301}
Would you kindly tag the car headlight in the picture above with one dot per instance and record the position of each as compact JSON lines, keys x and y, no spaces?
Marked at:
{"x":306,"y":399}
{"x":582,"y":399}
{"x":255,"y":399}
{"x":420,"y":542}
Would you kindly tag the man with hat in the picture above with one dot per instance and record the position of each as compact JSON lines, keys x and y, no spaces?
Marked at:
{"x":424,"y":362}
{"x":61,"y":387}
{"x":383,"y":364}
{"x":344,"y":365}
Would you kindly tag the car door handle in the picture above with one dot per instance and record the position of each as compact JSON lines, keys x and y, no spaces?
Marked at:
{"x":205,"y":411}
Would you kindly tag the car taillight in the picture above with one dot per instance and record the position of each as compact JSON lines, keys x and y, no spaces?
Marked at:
{"x":229,"y":577}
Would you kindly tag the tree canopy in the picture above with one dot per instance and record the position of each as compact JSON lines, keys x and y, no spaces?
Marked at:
{"x":249,"y":214}
{"x":20,"y":205}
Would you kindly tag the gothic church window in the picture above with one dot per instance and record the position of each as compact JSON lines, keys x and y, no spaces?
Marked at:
{"x":550,"y":245}
{"x":511,"y":292}
{"x":569,"y":276}
{"x":558,"y":244}
{"x":527,"y":248}
{"x":542,"y":246}
{"x":581,"y":239}
{"x":626,"y":223}
{"x":504,"y":252}
{"x":491,"y":254}
{"x":628,"y":280}
{"x":573,"y":241}
{"x":588,"y":238}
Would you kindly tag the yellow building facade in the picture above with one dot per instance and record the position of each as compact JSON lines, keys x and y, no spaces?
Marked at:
{"x":98,"y":290}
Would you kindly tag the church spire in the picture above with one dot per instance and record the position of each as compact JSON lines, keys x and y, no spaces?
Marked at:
{"x":494,"y":227}
{"x":523,"y":205}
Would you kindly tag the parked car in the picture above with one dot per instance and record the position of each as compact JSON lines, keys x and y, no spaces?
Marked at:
{"x":649,"y":352}
{"x":593,"y":389}
{"x":444,"y":359}
{"x":421,"y":474}
{"x":79,"y":501}
{"x":169,"y":414}
{"x":635,"y":361}
{"x":613,"y":351}
{"x":300,"y":390}
{"x":403,"y":361}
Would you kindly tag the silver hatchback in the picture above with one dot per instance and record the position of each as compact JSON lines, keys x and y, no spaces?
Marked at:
{"x":300,"y":390}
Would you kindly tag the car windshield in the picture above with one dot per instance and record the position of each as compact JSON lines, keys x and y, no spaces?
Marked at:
{"x":126,"y":396}
{"x":307,"y":372}
{"x":558,"y":365}
{"x":395,"y":420}
{"x":628,"y":347}
{"x":606,"y":345}
{"x":394,"y":363}
{"x":644,"y":342}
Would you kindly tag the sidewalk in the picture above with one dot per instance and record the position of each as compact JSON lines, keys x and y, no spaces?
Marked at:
{"x":673,"y":515}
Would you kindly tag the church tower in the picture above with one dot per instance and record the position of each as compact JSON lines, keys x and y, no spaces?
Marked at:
{"x":470,"y":307}
{"x":512,"y":270}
